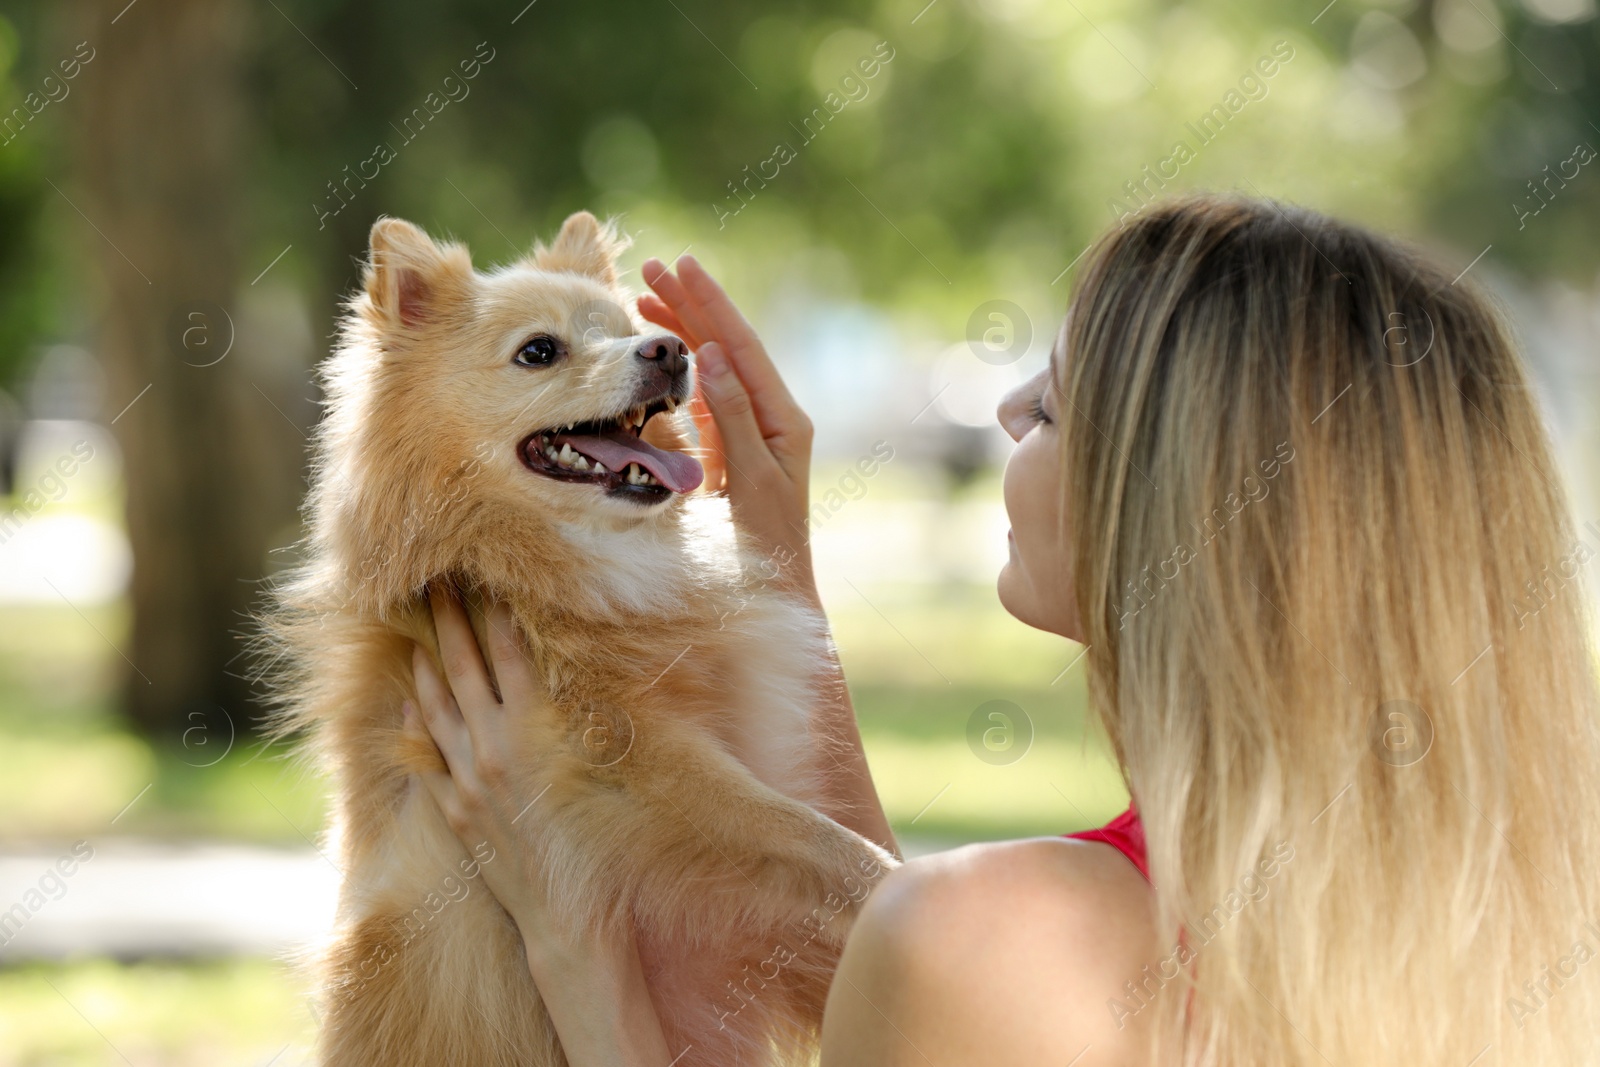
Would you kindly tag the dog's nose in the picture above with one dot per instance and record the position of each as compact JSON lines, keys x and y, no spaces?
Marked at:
{"x":671,"y":354}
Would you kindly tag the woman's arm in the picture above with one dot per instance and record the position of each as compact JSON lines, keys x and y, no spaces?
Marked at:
{"x":597,"y":998}
{"x":756,"y":447}
{"x":855,"y":797}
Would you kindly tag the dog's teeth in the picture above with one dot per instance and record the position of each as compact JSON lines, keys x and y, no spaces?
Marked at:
{"x":550,"y":451}
{"x":566,"y":453}
{"x":600,"y":468}
{"x":581,"y":463}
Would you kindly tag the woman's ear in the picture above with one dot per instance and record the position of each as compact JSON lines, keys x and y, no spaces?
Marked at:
{"x":408,"y":274}
{"x":585,"y":245}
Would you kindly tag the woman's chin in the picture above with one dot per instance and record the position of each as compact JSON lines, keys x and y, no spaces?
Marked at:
{"x":1018,"y":598}
{"x":1006,"y":587}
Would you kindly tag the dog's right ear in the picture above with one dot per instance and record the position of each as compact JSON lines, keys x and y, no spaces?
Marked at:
{"x":407,"y":273}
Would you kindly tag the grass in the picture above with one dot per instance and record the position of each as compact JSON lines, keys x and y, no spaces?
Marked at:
{"x":100,"y":1013}
{"x":69,"y":765}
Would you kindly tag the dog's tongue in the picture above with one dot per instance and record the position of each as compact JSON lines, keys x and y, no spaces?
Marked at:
{"x":678,"y":471}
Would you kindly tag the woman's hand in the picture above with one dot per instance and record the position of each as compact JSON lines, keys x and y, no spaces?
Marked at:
{"x":595,"y":993}
{"x":474,"y":733}
{"x":755,"y":440}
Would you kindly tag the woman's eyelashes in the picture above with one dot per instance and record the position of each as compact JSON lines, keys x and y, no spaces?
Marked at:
{"x":1036,"y":408}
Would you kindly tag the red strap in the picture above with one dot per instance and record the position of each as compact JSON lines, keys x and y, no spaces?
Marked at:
{"x":1125,"y":833}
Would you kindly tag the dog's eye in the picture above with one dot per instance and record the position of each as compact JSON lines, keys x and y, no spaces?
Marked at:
{"x":541,"y":351}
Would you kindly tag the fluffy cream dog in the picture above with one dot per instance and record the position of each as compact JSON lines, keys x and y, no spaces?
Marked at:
{"x":514,"y":435}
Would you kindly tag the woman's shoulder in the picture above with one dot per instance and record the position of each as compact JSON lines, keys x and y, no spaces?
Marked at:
{"x":1082,"y":901}
{"x":1013,"y":950}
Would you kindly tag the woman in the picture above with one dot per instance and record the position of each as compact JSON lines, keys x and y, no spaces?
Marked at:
{"x":1286,"y":480}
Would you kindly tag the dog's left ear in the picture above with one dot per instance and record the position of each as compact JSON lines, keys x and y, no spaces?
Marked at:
{"x":585,"y":245}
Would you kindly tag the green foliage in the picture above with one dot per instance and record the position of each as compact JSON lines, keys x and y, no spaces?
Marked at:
{"x":977,"y":161}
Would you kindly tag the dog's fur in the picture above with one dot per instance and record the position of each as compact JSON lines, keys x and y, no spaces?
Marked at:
{"x":682,"y":773}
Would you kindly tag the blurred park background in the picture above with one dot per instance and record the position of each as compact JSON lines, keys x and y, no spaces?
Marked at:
{"x":895,"y":192}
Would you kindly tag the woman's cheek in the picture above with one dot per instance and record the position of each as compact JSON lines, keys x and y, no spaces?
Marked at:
{"x":1011,"y":494}
{"x":1029,"y":490}
{"x":1021,"y":492}
{"x":1036,"y":586}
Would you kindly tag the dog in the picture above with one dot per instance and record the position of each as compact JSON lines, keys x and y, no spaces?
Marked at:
{"x":515,"y":435}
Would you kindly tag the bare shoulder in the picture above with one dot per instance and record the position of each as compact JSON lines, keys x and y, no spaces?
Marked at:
{"x":1004,"y":953}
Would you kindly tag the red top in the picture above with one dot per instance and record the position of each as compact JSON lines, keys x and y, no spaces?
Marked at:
{"x":1125,"y":833}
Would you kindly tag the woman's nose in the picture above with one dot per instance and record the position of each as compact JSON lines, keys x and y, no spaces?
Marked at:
{"x":1010,"y":414}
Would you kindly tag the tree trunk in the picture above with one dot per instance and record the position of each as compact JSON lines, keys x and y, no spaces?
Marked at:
{"x":161,"y":139}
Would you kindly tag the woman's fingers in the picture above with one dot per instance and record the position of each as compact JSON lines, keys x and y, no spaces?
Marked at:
{"x":713,"y":306}
{"x":438,"y":784}
{"x":751,"y":430}
{"x":743,"y":449}
{"x":518,"y":686}
{"x":655,"y":310}
{"x":774,"y":406}
{"x":458,"y":649}
{"x":710,"y":451}
{"x":701,"y":305}
{"x":676,"y":299}
{"x":440,"y":715}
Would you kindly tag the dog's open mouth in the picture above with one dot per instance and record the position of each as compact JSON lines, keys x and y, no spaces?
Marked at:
{"x":611,"y":454}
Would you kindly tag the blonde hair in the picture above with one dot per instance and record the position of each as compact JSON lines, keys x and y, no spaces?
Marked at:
{"x":1310,"y":493}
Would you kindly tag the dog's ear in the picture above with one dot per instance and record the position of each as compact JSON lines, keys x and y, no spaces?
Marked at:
{"x":408,"y":274}
{"x":585,"y":245}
